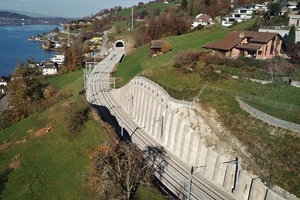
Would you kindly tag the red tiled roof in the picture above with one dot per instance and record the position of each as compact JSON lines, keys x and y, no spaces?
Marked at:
{"x":235,"y":37}
{"x":263,"y":37}
{"x":250,"y":46}
{"x":202,"y":18}
{"x":227,"y":43}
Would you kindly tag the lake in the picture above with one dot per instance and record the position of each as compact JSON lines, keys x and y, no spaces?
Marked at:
{"x":15,"y":47}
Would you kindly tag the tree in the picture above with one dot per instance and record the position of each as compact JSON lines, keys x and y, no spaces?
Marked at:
{"x":116,"y":170}
{"x":184,"y":4}
{"x":291,"y":38}
{"x":277,"y":66}
{"x":274,"y":8}
{"x":75,"y":117}
{"x":293,"y":51}
{"x":171,"y":22}
{"x":74,"y":55}
{"x":24,"y":89}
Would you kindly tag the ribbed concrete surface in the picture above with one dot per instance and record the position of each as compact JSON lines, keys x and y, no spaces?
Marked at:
{"x":168,"y":121}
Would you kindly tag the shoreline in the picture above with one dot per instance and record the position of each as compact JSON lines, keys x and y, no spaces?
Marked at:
{"x":19,"y":49}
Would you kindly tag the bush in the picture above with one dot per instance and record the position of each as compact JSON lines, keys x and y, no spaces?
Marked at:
{"x":50,"y":92}
{"x":207,"y":72}
{"x":186,"y":59}
{"x":75,"y":117}
{"x":166,"y":47}
{"x":217,"y":59}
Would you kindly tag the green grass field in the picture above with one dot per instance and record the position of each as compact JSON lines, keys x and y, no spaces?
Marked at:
{"x":139,"y":61}
{"x":51,"y":165}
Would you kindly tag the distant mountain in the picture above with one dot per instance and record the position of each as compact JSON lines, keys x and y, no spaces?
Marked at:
{"x":28,"y":13}
{"x":11,"y":18}
{"x":4,"y":14}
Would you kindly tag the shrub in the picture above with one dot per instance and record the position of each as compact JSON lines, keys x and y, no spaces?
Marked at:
{"x":216,"y":59}
{"x":166,"y":47}
{"x":75,"y":116}
{"x":186,"y":59}
{"x":207,"y":72}
{"x":50,"y":92}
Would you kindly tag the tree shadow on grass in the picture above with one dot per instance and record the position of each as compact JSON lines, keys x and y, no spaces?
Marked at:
{"x":4,"y":179}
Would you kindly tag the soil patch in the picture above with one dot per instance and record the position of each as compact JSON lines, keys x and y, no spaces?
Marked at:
{"x":4,"y":146}
{"x":43,"y":131}
{"x":68,"y":103}
{"x":14,"y":164}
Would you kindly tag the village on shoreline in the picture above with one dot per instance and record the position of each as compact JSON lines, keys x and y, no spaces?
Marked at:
{"x":58,"y":40}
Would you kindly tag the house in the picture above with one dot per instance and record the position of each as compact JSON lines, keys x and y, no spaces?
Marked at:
{"x":49,"y":68}
{"x":202,"y":19}
{"x":261,"y":7}
{"x":3,"y":81}
{"x":284,"y":30}
{"x":243,"y":13}
{"x":259,"y":45}
{"x":291,"y":6}
{"x":59,"y":59}
{"x":156,"y":45}
{"x":3,"y":84}
{"x":294,"y":20}
{"x":239,"y":15}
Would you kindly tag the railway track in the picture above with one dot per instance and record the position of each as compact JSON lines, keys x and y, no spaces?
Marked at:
{"x":171,"y":171}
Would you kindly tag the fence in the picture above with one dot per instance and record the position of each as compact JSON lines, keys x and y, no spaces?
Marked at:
{"x":251,"y":98}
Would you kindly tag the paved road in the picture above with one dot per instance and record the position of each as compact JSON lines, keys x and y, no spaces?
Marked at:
{"x":171,"y":171}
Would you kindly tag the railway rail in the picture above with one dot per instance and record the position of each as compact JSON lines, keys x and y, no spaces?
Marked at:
{"x":171,"y":171}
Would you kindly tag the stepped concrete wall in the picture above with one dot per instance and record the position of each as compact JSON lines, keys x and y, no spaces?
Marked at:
{"x":168,"y":121}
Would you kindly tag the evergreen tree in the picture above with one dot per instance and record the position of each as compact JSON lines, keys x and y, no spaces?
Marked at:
{"x":291,"y":38}
{"x":184,"y":4}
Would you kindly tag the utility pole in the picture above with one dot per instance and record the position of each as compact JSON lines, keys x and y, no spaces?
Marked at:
{"x":191,"y":180}
{"x":190,"y":183}
{"x":237,"y":162}
{"x":132,"y":18}
{"x":84,"y":76}
{"x":162,"y":127}
{"x":68,"y":30}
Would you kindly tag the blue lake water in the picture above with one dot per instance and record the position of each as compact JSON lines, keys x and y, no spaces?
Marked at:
{"x":15,"y":47}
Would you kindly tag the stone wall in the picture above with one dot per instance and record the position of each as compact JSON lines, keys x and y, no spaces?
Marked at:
{"x":269,"y":119}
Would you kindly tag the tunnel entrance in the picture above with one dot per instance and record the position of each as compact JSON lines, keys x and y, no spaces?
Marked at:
{"x":119,"y":43}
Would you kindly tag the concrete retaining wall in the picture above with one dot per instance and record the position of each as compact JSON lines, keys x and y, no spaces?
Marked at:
{"x":165,"y":120}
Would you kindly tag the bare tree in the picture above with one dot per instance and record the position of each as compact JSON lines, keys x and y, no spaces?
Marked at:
{"x":116,"y":170}
{"x":276,"y":66}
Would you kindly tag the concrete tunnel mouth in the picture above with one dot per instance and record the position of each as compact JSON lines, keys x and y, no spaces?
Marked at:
{"x":119,"y":43}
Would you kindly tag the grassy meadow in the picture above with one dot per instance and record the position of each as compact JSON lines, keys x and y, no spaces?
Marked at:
{"x":36,"y":164}
{"x":140,"y":60}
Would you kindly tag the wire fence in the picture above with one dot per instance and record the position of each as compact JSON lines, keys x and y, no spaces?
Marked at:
{"x":255,"y":99}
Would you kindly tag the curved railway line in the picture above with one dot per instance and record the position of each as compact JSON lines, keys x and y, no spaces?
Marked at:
{"x":171,"y":172}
